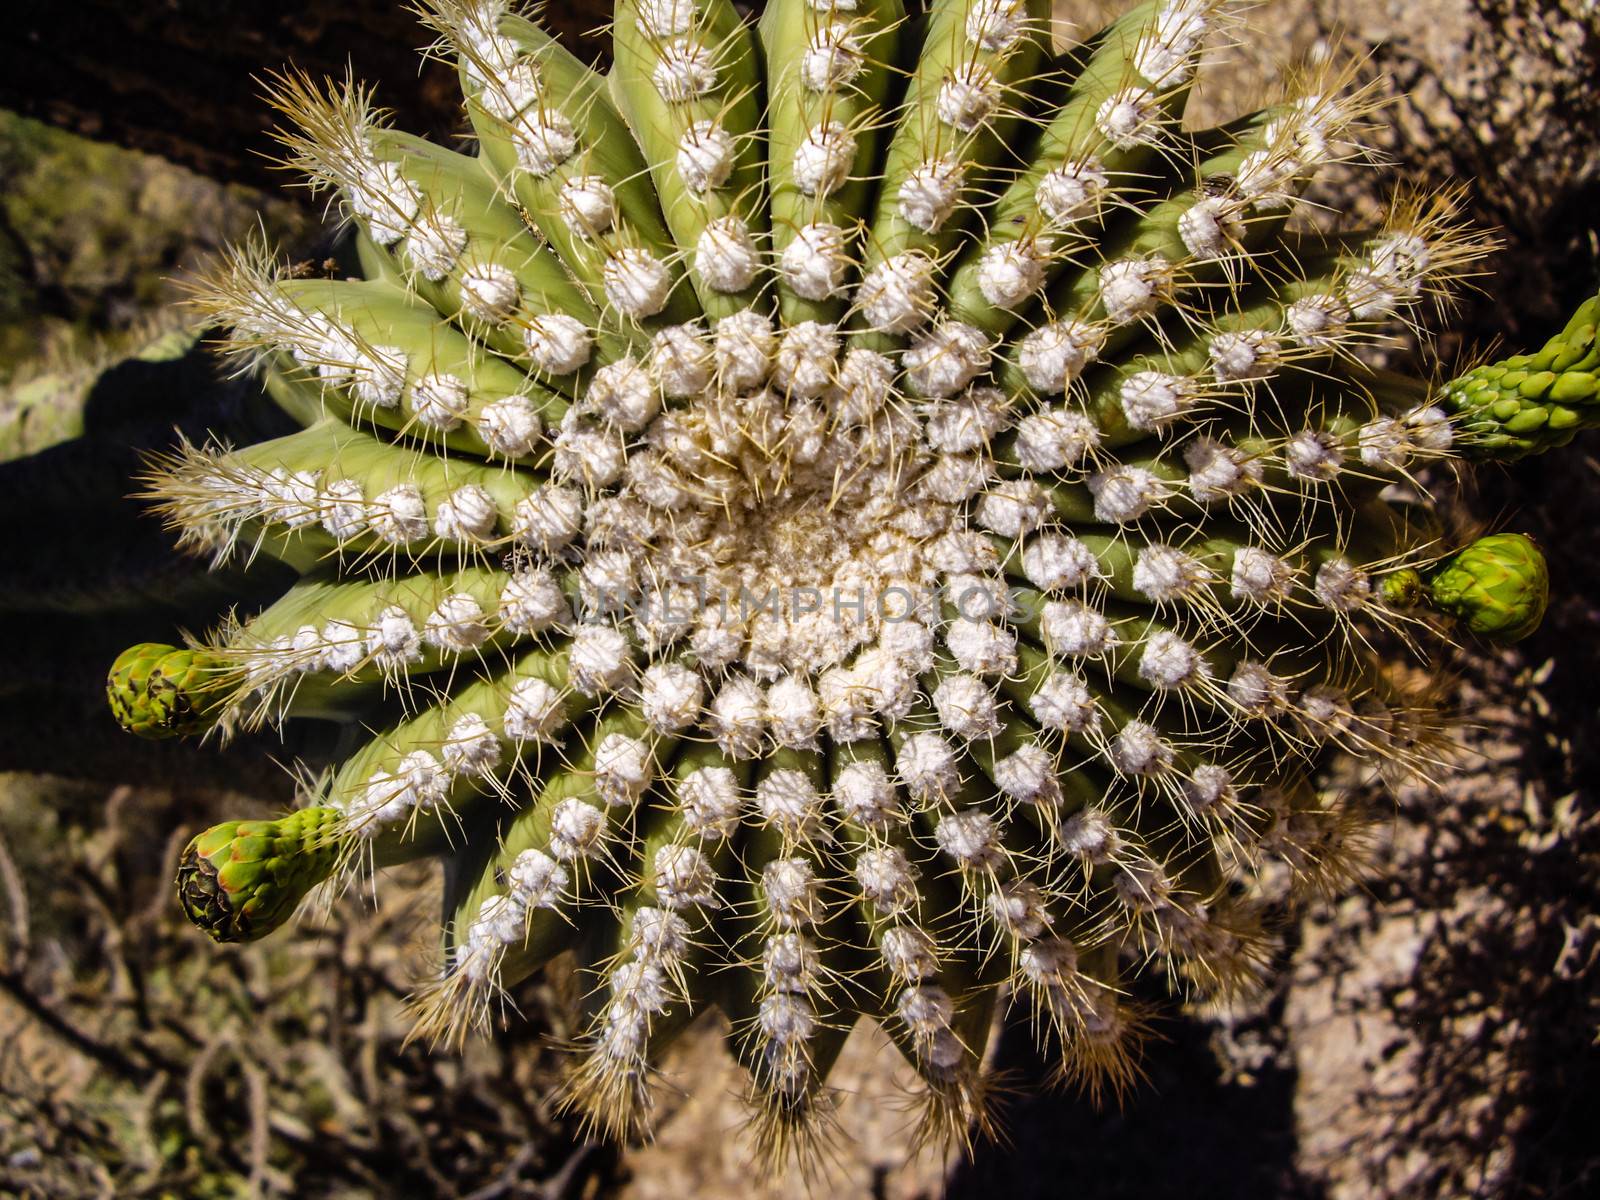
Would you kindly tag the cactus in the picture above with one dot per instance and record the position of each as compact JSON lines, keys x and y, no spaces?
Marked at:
{"x":849,"y":516}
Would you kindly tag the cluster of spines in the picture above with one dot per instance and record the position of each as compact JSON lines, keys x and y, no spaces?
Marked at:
{"x":1126,"y":447}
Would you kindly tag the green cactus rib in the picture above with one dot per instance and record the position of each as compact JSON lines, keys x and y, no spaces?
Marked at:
{"x":1530,"y":403}
{"x":846,"y":516}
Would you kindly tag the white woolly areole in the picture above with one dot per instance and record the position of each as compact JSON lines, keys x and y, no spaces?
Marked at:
{"x":968,"y":97}
{"x":1326,"y":711}
{"x":982,"y":647}
{"x":666,"y":18}
{"x":623,"y":769}
{"x":1063,"y":703}
{"x":787,"y":1020}
{"x":1170,"y":661}
{"x":398,"y":515}
{"x":967,"y":422}
{"x":864,"y":794}
{"x":1018,"y":908}
{"x":967,"y":707}
{"x":1049,"y":962}
{"x":789,"y":962}
{"x":1055,"y":438}
{"x":736,"y":717}
{"x":587,"y":453}
{"x":706,"y":154}
{"x":1028,"y":775}
{"x":394,"y":639}
{"x":897,"y":295}
{"x":684,"y":71}
{"x":576,"y":830}
{"x":788,"y":802}
{"x":970,"y":838}
{"x":908,"y":953}
{"x":926,"y":764}
{"x":1131,"y":288}
{"x":434,"y":245}
{"x":813,"y":265}
{"x":489,"y":292}
{"x":440,"y":401}
{"x":1220,"y":472}
{"x":1164,"y":573}
{"x":806,"y":356}
{"x":708,"y":797}
{"x":1053,"y":355}
{"x":636,"y":282}
{"x":1057,"y":561}
{"x":387,"y":199}
{"x":639,"y":990}
{"x":537,"y":879}
{"x":534,"y":712}
{"x":1256,"y":690}
{"x":684,"y":878}
{"x":1260,"y":577}
{"x":343,"y":646}
{"x":1139,"y":750}
{"x":558,"y":344}
{"x":1129,"y":117}
{"x":1071,"y":192}
{"x":1244,"y":356}
{"x":725,"y":256}
{"x":833,"y":58}
{"x":793,"y":713}
{"x":1091,"y":835}
{"x":792,"y":891}
{"x":1152,"y":399}
{"x":659,"y":936}
{"x":887,"y":879}
{"x":745,"y":345}
{"x":456,"y":625}
{"x":1212,"y":227}
{"x":1341,"y":586}
{"x":531,"y":602}
{"x":544,"y":139}
{"x":599,"y":659}
{"x":1124,"y":494}
{"x":624,"y":395}
{"x":1077,"y":629}
{"x":1318,"y":322}
{"x":378,"y":376}
{"x":549,"y":518}
{"x":823,"y":159}
{"x":946,"y":359}
{"x":1314,"y":456}
{"x":588,"y":205}
{"x":500,"y":919}
{"x":863,"y":386}
{"x":670,"y":697}
{"x":1013,"y":507}
{"x":996,"y":25}
{"x":467,"y":514}
{"x":1210,"y":787}
{"x":509,"y":426}
{"x":1013,"y":271}
{"x":1165,"y":55}
{"x":291,"y":498}
{"x":929,"y":193}
{"x":681,"y":360}
{"x":344,"y":509}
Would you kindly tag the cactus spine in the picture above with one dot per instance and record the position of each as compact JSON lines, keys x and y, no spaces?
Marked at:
{"x":859,"y":516}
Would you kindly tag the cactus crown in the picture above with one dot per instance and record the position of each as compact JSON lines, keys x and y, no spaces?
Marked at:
{"x":860,"y":516}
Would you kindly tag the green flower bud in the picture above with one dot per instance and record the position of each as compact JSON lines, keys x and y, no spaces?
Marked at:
{"x":240,"y":880}
{"x":161,"y":691}
{"x":1498,"y":587}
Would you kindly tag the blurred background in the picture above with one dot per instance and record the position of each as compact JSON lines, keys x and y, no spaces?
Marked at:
{"x":1430,"y":1034}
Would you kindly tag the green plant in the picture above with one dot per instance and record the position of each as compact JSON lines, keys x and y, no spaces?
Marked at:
{"x":860,"y":515}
